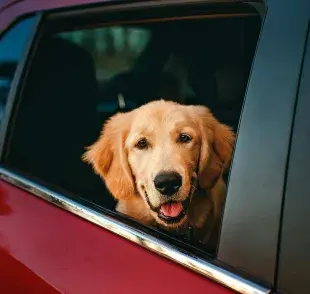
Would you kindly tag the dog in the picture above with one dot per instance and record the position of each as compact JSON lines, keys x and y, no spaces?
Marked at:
{"x":164,"y":163}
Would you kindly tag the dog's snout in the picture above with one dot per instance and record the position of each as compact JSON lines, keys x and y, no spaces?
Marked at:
{"x":168,"y":183}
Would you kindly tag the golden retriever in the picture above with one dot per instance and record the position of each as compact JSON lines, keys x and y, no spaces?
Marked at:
{"x":163,"y":162}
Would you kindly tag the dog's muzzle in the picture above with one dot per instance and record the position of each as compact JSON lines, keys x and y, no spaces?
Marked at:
{"x":172,"y":211}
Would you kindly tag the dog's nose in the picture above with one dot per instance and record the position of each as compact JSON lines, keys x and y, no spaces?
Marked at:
{"x":168,"y":183}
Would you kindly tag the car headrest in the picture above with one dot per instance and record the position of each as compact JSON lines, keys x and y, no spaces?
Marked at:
{"x":137,"y":88}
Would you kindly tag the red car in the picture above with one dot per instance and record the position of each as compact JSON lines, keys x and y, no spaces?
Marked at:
{"x":67,"y":66}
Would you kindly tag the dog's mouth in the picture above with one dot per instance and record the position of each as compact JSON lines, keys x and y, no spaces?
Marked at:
{"x":172,"y":211}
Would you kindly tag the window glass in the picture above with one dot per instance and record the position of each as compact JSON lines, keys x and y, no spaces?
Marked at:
{"x":12,"y":46}
{"x":80,"y":79}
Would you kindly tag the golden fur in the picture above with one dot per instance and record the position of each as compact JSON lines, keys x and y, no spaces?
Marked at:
{"x":129,"y":172}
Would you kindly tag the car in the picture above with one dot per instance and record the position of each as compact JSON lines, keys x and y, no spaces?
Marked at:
{"x":68,"y":66}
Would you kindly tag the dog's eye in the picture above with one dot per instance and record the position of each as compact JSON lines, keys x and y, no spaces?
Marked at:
{"x":142,"y":144}
{"x":185,"y":138}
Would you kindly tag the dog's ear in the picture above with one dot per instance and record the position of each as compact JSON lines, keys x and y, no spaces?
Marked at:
{"x":109,"y":157}
{"x":217,"y":142}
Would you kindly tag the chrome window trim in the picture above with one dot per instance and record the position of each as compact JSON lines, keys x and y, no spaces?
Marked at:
{"x":200,"y":266}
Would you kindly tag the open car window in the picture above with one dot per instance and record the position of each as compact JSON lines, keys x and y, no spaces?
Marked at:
{"x":81,"y":78}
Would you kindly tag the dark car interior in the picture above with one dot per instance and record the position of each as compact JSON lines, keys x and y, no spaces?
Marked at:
{"x":214,"y":64}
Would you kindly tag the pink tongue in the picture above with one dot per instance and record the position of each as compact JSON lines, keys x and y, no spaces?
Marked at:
{"x":171,"y":209}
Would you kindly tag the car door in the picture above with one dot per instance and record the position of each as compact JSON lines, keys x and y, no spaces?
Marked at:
{"x":56,"y":228}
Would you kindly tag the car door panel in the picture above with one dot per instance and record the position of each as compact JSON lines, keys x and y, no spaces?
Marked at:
{"x":75,"y":256}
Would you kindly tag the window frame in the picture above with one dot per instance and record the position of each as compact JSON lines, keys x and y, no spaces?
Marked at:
{"x":220,"y":270}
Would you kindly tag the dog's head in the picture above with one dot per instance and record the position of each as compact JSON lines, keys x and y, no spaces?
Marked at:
{"x":161,"y":152}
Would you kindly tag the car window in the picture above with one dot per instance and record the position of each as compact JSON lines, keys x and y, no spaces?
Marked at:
{"x":79,"y":79}
{"x":12,"y":46}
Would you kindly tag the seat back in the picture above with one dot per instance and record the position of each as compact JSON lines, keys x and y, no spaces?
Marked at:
{"x":58,"y":109}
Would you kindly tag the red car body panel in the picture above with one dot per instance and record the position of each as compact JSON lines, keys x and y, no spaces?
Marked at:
{"x":44,"y":249}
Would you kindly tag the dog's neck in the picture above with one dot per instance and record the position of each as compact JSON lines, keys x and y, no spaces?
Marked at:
{"x":203,"y":238}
